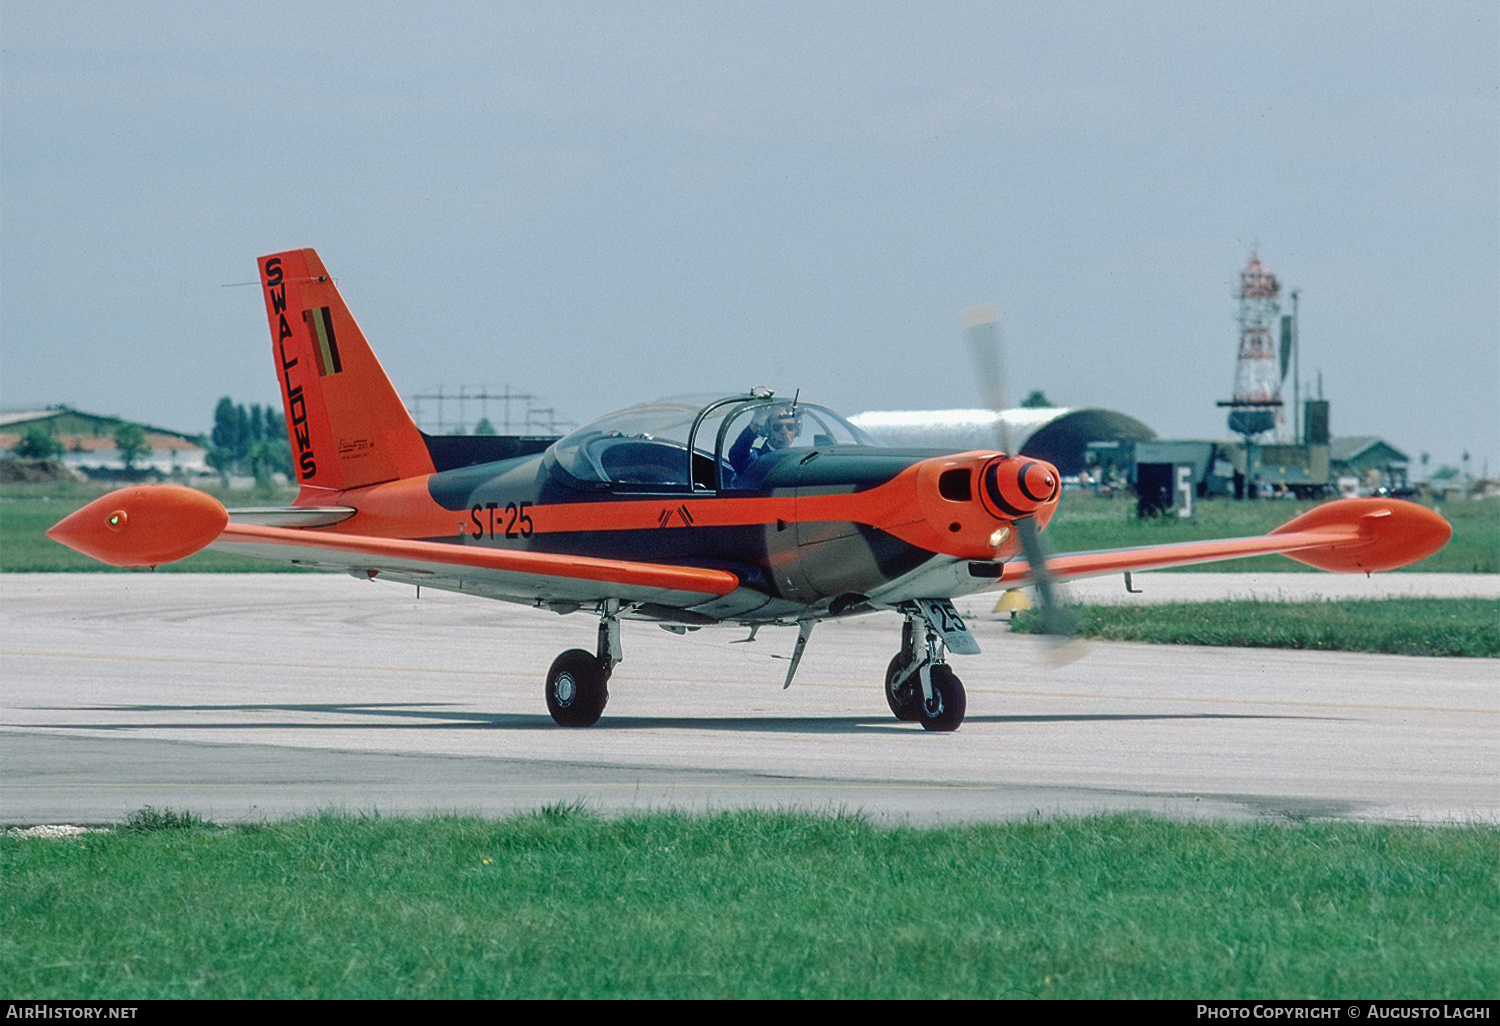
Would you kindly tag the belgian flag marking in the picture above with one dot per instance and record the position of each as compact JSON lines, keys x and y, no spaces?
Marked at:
{"x":325,"y":345}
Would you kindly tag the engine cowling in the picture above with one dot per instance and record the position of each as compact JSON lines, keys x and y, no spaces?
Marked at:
{"x":971,"y":501}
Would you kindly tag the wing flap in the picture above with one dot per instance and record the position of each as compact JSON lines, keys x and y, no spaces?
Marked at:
{"x":291,"y":516}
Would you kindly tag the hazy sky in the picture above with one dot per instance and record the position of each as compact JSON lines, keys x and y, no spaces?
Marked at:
{"x":601,"y":203}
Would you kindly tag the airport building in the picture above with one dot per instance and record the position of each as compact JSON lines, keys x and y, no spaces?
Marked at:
{"x":88,"y":443}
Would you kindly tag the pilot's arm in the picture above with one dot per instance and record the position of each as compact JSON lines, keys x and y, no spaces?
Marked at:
{"x":741,"y":453}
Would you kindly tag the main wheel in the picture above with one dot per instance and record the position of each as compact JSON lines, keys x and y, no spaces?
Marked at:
{"x":576,"y":689}
{"x":905,"y":701}
{"x":946,"y":710}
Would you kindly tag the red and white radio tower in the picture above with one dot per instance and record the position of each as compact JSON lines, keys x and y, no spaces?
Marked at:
{"x":1257,"y":371}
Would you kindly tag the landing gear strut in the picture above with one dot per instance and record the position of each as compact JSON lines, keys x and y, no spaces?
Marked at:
{"x":919,"y":684}
{"x":578,"y":682}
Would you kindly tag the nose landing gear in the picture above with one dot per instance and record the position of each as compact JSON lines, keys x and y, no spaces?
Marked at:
{"x":919,"y":685}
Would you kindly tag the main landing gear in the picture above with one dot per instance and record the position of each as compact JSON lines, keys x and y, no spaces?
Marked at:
{"x":578,"y":683}
{"x":919,"y":686}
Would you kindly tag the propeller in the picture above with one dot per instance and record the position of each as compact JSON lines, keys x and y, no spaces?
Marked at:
{"x":982,"y":328}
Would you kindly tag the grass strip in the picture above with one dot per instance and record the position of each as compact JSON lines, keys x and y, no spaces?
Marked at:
{"x":1422,"y":627}
{"x":754,"y":905}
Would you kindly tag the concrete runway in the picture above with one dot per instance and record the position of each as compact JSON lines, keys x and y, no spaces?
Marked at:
{"x":244,"y":697}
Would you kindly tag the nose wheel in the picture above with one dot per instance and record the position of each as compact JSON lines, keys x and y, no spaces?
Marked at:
{"x":944,"y":711}
{"x":903,"y":693}
{"x":919,"y":686}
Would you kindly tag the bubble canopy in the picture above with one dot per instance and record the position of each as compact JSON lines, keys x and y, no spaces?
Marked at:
{"x":698,"y":443}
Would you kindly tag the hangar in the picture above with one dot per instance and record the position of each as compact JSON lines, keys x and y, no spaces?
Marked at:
{"x":1059,"y":435}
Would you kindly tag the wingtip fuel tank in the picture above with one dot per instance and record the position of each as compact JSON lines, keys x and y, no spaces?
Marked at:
{"x":144,"y":525}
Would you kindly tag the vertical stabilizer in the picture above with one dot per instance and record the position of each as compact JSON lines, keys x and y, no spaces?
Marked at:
{"x":347,"y":426}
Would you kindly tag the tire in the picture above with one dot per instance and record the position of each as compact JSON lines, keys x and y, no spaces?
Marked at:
{"x":577,"y":689}
{"x":948,"y":701}
{"x":908,"y":704}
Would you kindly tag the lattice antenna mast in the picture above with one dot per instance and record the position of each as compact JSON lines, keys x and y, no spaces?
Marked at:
{"x":531,"y":418}
{"x":1257,"y":372}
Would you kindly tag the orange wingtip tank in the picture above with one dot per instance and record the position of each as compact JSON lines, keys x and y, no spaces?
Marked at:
{"x":1392,"y":534}
{"x":146,"y":525}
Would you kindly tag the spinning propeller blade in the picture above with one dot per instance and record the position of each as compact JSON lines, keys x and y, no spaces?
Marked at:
{"x":982,"y":328}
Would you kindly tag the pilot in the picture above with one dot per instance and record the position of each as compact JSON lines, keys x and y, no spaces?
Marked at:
{"x":776,"y":427}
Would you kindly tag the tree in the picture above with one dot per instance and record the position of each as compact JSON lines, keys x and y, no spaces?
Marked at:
{"x":231,"y":428}
{"x":267,"y":457}
{"x":130,"y":439}
{"x":252,"y":440}
{"x":220,"y":459}
{"x":39,"y":444}
{"x":1037,"y":400}
{"x":484,"y":427}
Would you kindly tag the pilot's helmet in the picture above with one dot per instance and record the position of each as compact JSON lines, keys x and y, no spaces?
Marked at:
{"x":779,"y":424}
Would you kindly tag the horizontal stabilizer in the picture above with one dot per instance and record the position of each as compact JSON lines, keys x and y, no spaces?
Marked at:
{"x":291,"y":516}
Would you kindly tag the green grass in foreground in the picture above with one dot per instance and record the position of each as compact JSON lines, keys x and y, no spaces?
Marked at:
{"x":565,"y":904}
{"x":1426,"y":627}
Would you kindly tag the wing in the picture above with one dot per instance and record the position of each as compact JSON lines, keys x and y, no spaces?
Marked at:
{"x":1344,"y":536}
{"x":521,"y":576}
{"x":153,"y":524}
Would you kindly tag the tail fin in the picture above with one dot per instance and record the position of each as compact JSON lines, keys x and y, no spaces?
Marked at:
{"x":347,"y":426}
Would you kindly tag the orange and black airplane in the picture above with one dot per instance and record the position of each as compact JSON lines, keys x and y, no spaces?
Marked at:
{"x":745,"y":510}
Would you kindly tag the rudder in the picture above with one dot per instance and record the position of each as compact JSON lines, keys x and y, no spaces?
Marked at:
{"x":347,"y":426}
